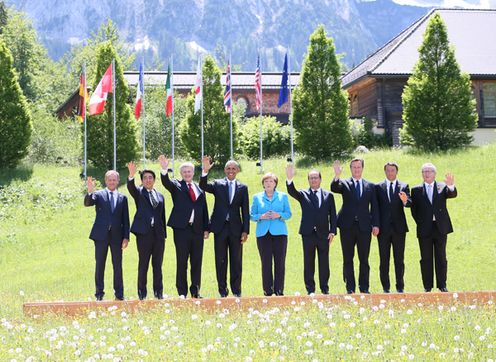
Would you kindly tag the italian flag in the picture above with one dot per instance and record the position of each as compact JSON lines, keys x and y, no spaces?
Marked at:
{"x":169,"y":103}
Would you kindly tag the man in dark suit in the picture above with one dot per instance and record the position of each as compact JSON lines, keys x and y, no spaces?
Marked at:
{"x":392,"y":196}
{"x":149,"y":228}
{"x":110,"y":229}
{"x":189,"y":220}
{"x":358,"y":217}
{"x":230,"y":223}
{"x":317,"y":227}
{"x":433,"y":224}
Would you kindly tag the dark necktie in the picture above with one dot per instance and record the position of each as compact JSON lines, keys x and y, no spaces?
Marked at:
{"x":357,"y":189}
{"x":315,"y":198}
{"x":112,"y":205}
{"x":391,"y":192}
{"x":153,"y":200}
{"x":192,"y":193}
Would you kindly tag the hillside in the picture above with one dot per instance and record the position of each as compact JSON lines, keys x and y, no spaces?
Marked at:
{"x":184,"y":28}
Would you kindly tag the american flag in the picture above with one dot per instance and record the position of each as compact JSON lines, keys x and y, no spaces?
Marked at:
{"x":258,"y":85}
{"x":227,"y":93}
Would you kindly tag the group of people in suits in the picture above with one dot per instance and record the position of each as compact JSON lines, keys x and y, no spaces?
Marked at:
{"x":367,"y":210}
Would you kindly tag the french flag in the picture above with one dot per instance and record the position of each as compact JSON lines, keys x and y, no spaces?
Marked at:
{"x":140,"y":92}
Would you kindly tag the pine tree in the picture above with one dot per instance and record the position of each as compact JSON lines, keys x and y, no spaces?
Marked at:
{"x":100,"y":127}
{"x":215,"y":119}
{"x":439,"y":109}
{"x":15,"y":119}
{"x":320,"y":106}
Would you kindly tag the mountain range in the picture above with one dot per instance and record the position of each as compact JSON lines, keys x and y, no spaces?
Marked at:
{"x":157,"y":29}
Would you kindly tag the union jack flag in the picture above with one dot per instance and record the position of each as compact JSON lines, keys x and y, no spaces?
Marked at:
{"x":258,"y":85}
{"x":227,"y":93}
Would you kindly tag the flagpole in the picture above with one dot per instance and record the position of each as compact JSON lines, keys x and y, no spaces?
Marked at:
{"x":290,"y":111}
{"x":231,"y":108}
{"x":261,"y":117}
{"x":173,"y":110}
{"x":143,"y":125}
{"x":201,"y":111}
{"x":85,"y":125}
{"x":113,"y":106}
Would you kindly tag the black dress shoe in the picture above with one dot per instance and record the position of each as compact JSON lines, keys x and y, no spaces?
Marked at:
{"x":349,"y":291}
{"x":364,"y":291}
{"x":279,"y":293}
{"x":159,"y":296}
{"x":444,"y":290}
{"x":325,"y":292}
{"x":223,"y":295}
{"x":387,"y":291}
{"x":99,"y":297}
{"x":427,"y":290}
{"x":237,"y":295}
{"x":119,"y":298}
{"x":400,"y":290}
{"x":196,"y":296}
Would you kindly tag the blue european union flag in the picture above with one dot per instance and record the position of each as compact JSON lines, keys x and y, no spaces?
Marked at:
{"x":284,"y":91}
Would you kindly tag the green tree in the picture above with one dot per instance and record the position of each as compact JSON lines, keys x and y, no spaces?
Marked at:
{"x":100,"y":127}
{"x":320,"y":105}
{"x":159,"y":127}
{"x":3,"y":16}
{"x":215,"y":119}
{"x":275,"y":138}
{"x":42,"y":80}
{"x":84,"y":54}
{"x":439,"y":110}
{"x":15,"y":119}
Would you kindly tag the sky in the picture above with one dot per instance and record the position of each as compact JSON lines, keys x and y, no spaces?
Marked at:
{"x":485,"y":4}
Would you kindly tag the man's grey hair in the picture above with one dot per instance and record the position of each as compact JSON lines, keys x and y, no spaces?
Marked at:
{"x":112,"y":172}
{"x":429,"y":166}
{"x":232,"y":162}
{"x":185,"y":165}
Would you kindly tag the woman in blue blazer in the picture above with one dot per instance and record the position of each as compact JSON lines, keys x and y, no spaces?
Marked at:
{"x":270,"y":209}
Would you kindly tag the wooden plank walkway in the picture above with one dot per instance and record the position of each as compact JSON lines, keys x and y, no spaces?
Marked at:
{"x":244,"y":303}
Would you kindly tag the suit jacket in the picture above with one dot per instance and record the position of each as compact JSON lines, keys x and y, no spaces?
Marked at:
{"x":183,"y":206}
{"x":238,"y":210}
{"x":364,"y":210}
{"x":321,"y":219}
{"x":392,"y":214}
{"x":142,"y":222}
{"x":261,"y":204}
{"x":116,"y":222}
{"x":423,"y":210}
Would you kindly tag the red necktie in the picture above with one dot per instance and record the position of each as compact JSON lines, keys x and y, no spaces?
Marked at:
{"x":192,"y":193}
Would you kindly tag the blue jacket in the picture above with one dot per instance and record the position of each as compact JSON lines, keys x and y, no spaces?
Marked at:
{"x":261,"y":204}
{"x":116,"y":222}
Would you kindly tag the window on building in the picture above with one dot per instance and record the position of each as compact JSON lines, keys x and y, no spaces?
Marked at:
{"x":489,"y":100}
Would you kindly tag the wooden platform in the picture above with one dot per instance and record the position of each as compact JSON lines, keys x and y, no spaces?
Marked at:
{"x":244,"y":303}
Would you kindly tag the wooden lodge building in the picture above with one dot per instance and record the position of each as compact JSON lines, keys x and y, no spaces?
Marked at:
{"x":375,"y":86}
{"x":243,"y":90}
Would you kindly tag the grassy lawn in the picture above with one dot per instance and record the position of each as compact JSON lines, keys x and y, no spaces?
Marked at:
{"x":46,"y":255}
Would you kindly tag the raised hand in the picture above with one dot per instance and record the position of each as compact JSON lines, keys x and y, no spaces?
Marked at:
{"x":207,"y":163}
{"x":330,"y":237}
{"x":450,"y":179}
{"x":131,"y":166}
{"x":164,"y":162}
{"x":338,"y":169}
{"x":90,"y":184}
{"x":375,"y":231}
{"x":290,"y":171}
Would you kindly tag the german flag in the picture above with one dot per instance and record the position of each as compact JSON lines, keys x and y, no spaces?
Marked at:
{"x":83,"y":96}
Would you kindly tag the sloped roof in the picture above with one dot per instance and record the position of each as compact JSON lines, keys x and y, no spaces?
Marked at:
{"x":186,"y":80}
{"x":472,"y":33}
